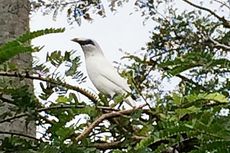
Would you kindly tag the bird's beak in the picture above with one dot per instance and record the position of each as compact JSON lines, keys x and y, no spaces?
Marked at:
{"x":75,"y":40}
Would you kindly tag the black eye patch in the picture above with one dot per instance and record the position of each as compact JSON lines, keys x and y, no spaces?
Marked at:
{"x":87,"y":42}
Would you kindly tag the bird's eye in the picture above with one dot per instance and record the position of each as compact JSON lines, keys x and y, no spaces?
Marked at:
{"x":88,"y":41}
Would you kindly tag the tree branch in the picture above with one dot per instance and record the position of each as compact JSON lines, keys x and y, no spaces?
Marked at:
{"x":222,"y":3}
{"x":114,"y":144}
{"x":105,"y":146}
{"x":226,"y":23}
{"x":75,"y":106}
{"x":152,"y":62}
{"x":103,"y":117}
{"x":55,"y":107}
{"x":19,"y":134}
{"x":191,"y":81}
{"x":85,"y":92}
{"x":51,"y":122}
{"x":217,"y":44}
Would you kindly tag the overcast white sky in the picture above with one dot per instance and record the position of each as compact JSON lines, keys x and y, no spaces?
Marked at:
{"x":119,"y":30}
{"x":112,"y":32}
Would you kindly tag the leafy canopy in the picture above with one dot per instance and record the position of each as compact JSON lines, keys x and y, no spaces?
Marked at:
{"x":192,"y":46}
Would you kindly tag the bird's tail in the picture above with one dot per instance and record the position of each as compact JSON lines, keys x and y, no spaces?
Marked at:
{"x":130,"y":102}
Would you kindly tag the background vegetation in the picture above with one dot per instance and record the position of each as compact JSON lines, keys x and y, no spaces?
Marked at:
{"x":190,"y":45}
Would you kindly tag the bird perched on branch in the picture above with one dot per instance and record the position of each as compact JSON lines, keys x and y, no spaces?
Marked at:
{"x":101,"y":72}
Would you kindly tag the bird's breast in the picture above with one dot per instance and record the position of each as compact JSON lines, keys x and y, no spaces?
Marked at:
{"x":104,"y":77}
{"x":93,"y":66}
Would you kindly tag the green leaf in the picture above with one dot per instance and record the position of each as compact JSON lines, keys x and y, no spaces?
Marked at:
{"x":177,"y":99}
{"x":216,"y":97}
{"x":183,"y":111}
{"x":21,"y":44}
{"x":62,"y":99}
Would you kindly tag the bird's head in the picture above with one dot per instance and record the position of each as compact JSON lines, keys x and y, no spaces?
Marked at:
{"x":89,"y":46}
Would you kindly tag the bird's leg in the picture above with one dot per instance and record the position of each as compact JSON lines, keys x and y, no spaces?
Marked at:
{"x":116,"y":99}
{"x":119,"y":100}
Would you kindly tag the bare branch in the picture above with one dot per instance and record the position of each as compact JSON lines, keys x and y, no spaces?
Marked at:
{"x":223,"y":3}
{"x":50,"y":121}
{"x":114,"y":144}
{"x":226,"y":23}
{"x":103,"y":117}
{"x":19,"y":134}
{"x":217,"y":44}
{"x":104,"y":146}
{"x":75,"y":106}
{"x":55,"y":107}
{"x":138,"y":138}
{"x":191,"y":81}
{"x":85,"y":92}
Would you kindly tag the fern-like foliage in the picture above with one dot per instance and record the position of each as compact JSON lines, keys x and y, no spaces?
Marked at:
{"x":22,"y":45}
{"x":191,"y":117}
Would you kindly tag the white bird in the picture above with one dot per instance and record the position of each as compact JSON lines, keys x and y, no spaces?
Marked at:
{"x":101,"y":72}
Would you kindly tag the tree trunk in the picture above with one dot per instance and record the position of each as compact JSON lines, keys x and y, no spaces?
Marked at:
{"x":14,"y":21}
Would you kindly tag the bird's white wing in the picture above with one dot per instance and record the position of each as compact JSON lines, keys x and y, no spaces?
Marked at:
{"x":103,"y":72}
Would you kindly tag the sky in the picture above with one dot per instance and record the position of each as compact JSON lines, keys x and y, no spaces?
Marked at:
{"x":116,"y":31}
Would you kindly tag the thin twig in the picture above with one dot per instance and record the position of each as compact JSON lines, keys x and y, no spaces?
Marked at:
{"x":114,"y":144}
{"x":105,"y":146}
{"x":217,"y":44}
{"x":55,"y":107}
{"x":87,"y":131}
{"x":139,"y":92}
{"x":226,"y":23}
{"x":68,"y":86}
{"x":51,"y":122}
{"x":191,"y":81}
{"x":74,"y":106}
{"x":223,"y":3}
{"x":19,"y":134}
{"x":152,"y":62}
